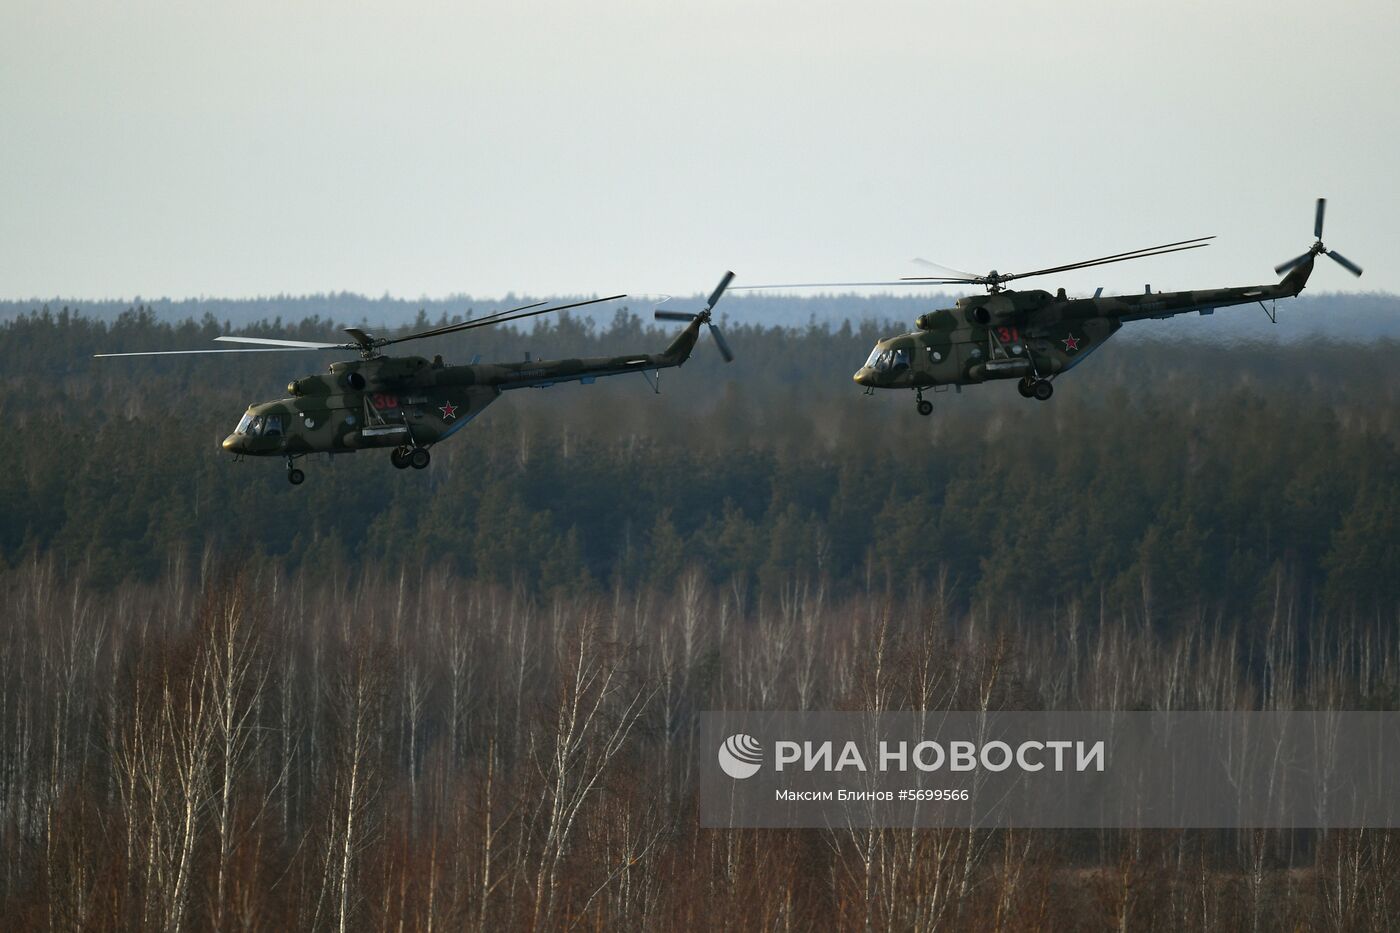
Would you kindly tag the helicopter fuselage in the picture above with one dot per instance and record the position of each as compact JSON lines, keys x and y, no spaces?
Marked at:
{"x":409,"y":402}
{"x":1033,"y":335}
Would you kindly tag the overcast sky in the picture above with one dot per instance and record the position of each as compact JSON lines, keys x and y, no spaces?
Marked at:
{"x":251,"y":148}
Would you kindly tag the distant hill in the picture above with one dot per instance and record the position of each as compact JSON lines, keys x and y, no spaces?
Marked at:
{"x":1344,"y":317}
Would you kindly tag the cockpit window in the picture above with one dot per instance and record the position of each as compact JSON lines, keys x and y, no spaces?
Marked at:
{"x":883,"y":361}
{"x":260,"y":426}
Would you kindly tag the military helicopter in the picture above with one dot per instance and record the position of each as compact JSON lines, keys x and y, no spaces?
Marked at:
{"x":408,"y":403}
{"x":1034,"y":336}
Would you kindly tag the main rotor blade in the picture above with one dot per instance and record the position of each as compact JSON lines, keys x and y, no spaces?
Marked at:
{"x":495,"y":314}
{"x":949,"y":270}
{"x":498,"y":319}
{"x":1344,"y":262}
{"x":911,"y":281}
{"x":449,"y":328}
{"x":190,"y":352}
{"x":719,"y":291}
{"x":721,"y":344}
{"x":1317,"y":224}
{"x":674,"y":315}
{"x":274,"y":342}
{"x":1143,"y":253}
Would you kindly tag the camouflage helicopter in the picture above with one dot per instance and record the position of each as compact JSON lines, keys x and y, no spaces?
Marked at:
{"x":1033,"y":336}
{"x":408,"y":403}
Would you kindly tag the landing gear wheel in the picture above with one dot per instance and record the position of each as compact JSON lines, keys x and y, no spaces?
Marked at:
{"x":419,"y":458}
{"x":296,"y":477}
{"x":1026,"y":388}
{"x":925,"y":407}
{"x":1043,"y":390}
{"x":399,"y":458}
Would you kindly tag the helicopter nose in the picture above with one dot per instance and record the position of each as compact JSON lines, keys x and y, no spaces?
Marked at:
{"x":233,"y":443}
{"x":862,"y":376}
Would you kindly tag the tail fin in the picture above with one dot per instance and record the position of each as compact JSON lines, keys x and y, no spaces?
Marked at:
{"x":1294,"y":281}
{"x":680,"y":348}
{"x":1299,"y":269}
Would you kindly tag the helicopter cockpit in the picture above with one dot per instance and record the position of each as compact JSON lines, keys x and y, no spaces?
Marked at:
{"x":888,"y":361}
{"x":259,"y":426}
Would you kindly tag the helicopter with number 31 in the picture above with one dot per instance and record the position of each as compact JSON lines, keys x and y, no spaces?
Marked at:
{"x":1032,"y":336}
{"x":408,"y":403}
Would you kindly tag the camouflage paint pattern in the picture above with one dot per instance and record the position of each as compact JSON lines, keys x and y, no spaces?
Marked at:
{"x":1033,"y":334}
{"x":410,"y":402}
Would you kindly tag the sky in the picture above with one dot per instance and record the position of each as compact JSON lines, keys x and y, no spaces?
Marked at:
{"x":237,"y":149}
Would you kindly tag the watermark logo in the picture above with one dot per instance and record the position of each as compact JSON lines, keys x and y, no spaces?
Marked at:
{"x":1052,"y":769}
{"x":740,"y":756}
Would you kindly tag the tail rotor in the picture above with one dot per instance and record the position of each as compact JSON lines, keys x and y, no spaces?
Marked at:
{"x":705,"y":317}
{"x":1318,"y":248}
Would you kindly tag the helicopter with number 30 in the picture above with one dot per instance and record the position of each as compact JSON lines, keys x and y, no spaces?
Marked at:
{"x":407,"y":403}
{"x":1032,"y":336}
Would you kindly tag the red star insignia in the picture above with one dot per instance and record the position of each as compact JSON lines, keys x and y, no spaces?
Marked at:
{"x":1071,"y":342}
{"x":449,"y":411}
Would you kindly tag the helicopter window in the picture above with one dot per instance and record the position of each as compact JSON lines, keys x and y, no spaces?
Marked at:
{"x":243,"y":424}
{"x":255,"y":427}
{"x":272,"y":427}
{"x":885,"y":360}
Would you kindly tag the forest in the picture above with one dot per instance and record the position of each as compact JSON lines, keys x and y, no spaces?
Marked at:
{"x":1169,"y":480}
{"x":466,"y":697}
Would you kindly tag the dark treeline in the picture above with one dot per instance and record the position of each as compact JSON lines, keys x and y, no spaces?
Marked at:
{"x":1171,"y":481}
{"x":1316,"y":314}
{"x":772,"y":308}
